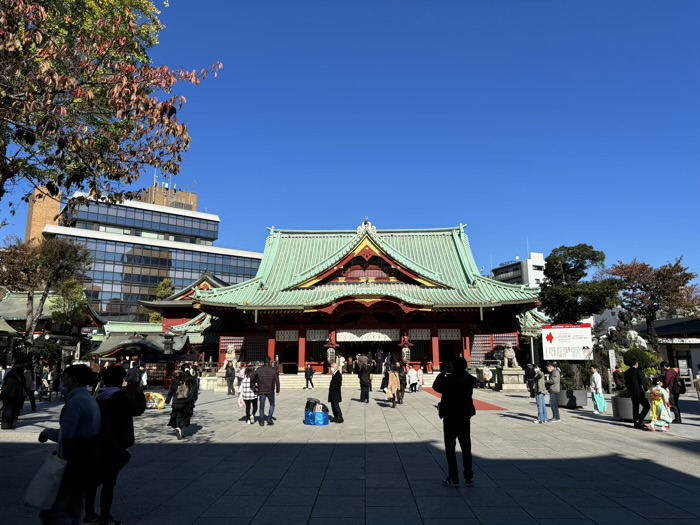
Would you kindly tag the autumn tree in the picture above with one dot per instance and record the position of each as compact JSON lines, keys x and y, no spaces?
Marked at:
{"x":82,"y":108}
{"x":38,"y":267}
{"x":647,"y":291}
{"x":70,"y":307}
{"x":565,"y":296}
{"x":165,"y":289}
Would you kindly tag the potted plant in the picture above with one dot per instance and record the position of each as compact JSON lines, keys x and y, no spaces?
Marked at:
{"x":573,"y":394}
{"x":622,"y":406}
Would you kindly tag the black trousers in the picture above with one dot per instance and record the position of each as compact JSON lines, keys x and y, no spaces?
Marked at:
{"x":248,"y":404}
{"x":311,"y":381}
{"x":337,"y":414}
{"x":231,"y":389}
{"x":636,"y":402}
{"x":676,"y":408}
{"x":458,"y":430}
{"x":108,"y":482}
{"x":364,"y":393}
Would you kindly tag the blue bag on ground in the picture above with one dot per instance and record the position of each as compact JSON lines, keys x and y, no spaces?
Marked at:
{"x":319,"y":419}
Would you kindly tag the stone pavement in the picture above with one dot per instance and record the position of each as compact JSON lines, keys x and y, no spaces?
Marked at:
{"x":385,"y":466}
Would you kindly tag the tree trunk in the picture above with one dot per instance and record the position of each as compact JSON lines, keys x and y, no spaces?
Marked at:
{"x":29,"y":325}
{"x":651,"y":332}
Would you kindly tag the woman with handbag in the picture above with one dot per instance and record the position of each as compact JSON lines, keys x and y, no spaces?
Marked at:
{"x":183,"y":395}
{"x":77,"y":440}
{"x":249,"y":396}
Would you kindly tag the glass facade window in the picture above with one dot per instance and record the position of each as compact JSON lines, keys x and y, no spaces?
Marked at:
{"x":125,"y":273}
{"x":135,"y":221}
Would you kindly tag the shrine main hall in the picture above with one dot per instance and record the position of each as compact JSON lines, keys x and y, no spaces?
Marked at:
{"x":319,"y":293}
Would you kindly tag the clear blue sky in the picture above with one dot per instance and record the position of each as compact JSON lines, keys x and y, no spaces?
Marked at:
{"x":561,"y":122}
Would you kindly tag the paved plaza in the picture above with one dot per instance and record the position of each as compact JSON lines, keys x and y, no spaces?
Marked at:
{"x":385,"y":466}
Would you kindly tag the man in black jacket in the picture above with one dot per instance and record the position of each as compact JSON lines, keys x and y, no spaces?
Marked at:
{"x":268,"y":380}
{"x":456,"y":409}
{"x":363,"y":376}
{"x":636,"y":384}
{"x":334,"y":394}
{"x":117,"y":409}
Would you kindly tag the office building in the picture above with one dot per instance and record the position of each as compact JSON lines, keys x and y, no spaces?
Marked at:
{"x":529,"y":272}
{"x":137,"y":244}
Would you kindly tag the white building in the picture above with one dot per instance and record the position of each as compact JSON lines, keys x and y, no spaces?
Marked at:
{"x":529,"y":272}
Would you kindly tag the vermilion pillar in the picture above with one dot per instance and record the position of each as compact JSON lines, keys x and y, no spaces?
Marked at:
{"x":435,"y":343}
{"x":467,"y":348}
{"x":271,"y":344}
{"x":302,"y":350}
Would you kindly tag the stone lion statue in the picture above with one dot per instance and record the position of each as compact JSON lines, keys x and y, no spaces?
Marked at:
{"x":509,"y":359}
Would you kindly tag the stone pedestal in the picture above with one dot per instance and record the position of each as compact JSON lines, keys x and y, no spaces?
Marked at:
{"x":511,"y":380}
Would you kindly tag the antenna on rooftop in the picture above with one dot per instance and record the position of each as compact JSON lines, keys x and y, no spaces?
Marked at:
{"x":527,"y":243}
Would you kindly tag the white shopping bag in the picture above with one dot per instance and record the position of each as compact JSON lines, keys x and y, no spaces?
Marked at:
{"x":43,"y":489}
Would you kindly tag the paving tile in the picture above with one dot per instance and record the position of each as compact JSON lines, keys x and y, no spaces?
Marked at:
{"x":614,"y":516}
{"x":390,"y":515}
{"x":487,"y":497}
{"x":443,"y":507}
{"x":240,"y":506}
{"x":274,"y":515}
{"x":503,"y":516}
{"x":339,"y":506}
{"x":304,"y":496}
{"x":389,"y":496}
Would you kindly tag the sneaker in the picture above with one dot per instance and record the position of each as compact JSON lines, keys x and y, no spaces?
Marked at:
{"x":450,"y":483}
{"x":537,"y":421}
{"x":554,"y":420}
{"x":252,"y":419}
{"x":270,"y":422}
{"x":469,"y":482}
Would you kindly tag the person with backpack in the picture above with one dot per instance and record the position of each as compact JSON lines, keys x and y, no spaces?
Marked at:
{"x":674,"y":384}
{"x":133,"y":375}
{"x":183,"y":395}
{"x":117,"y":410}
{"x":636,"y":385}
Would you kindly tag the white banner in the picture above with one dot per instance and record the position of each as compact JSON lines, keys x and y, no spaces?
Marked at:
{"x":567,"y":342}
{"x":353,"y":336}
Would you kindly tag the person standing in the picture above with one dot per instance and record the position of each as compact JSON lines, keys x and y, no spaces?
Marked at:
{"x":599,"y":403}
{"x":672,"y":382}
{"x":413,"y":379}
{"x":268,"y":380}
{"x":393,"y":385}
{"x":144,"y":376}
{"x":241,"y":375}
{"x":230,"y":375}
{"x":540,"y":391}
{"x":530,"y":379}
{"x":309,"y":376}
{"x":12,"y":395}
{"x":118,"y":407}
{"x":364,"y":377}
{"x":181,"y":393}
{"x":334,"y":394}
{"x":554,"y":384}
{"x":456,"y":409}
{"x":402,"y":382}
{"x":30,"y":385}
{"x":618,"y":377}
{"x":249,"y":396}
{"x":636,"y":385}
{"x":78,"y":440}
{"x":420,"y":377}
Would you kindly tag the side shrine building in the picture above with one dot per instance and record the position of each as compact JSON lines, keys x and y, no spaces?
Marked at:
{"x":413,"y":294}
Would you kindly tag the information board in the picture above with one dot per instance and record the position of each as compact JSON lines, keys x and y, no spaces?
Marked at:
{"x":564,"y":342}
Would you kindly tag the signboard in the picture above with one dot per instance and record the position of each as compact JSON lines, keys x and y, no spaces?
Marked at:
{"x":613,"y":359}
{"x":567,"y":342}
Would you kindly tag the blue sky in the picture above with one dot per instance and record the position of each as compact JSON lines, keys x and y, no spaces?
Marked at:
{"x":561,"y":122}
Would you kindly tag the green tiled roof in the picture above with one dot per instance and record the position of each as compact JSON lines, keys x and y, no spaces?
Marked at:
{"x":442,"y":257}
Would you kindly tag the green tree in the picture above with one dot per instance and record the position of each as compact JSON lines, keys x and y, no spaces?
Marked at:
{"x":565,"y":296}
{"x":647,"y":291}
{"x":70,"y":305}
{"x":82,"y":108}
{"x":165,"y":289}
{"x":37,"y":267}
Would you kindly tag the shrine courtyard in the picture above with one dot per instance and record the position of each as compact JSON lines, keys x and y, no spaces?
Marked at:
{"x":384,"y":466}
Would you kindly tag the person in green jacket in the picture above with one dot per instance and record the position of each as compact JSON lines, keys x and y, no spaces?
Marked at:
{"x":540,"y":391}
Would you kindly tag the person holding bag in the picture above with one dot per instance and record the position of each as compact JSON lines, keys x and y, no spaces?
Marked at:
{"x":77,"y":440}
{"x":599,"y":403}
{"x":249,"y":396}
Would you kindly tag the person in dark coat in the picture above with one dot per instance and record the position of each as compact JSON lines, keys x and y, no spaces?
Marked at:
{"x":12,"y":394}
{"x":636,"y":384}
{"x":363,"y":375}
{"x":401,"y":370}
{"x":309,"y":376}
{"x":334,"y":394}
{"x":456,"y":409}
{"x":117,"y":410}
{"x":671,"y":381}
{"x":183,"y":393}
{"x":230,"y":375}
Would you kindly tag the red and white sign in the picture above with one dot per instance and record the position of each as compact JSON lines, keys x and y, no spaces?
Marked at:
{"x":565,"y":342}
